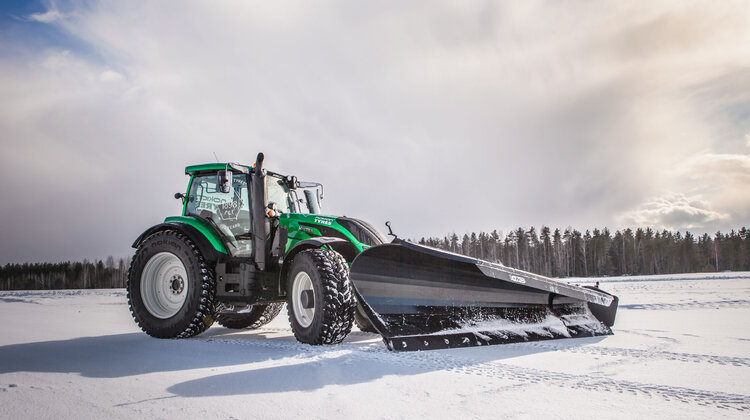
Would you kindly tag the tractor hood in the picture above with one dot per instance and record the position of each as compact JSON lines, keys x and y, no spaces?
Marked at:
{"x":305,"y":226}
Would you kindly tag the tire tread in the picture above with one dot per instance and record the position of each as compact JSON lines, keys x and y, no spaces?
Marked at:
{"x":338,"y":301}
{"x":203,"y":318}
{"x":258,"y":316}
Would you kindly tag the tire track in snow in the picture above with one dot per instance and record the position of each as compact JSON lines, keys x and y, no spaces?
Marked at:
{"x":688,"y":305}
{"x":648,"y":354}
{"x":499,"y":370}
{"x":436,"y":361}
{"x":17,"y":300}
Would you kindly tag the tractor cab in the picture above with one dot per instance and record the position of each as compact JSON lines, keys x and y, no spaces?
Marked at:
{"x":220,"y":194}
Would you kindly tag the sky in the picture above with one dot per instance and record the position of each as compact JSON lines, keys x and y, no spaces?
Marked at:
{"x":438,"y":116}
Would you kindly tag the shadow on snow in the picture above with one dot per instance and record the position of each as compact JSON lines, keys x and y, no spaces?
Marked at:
{"x":309,"y":367}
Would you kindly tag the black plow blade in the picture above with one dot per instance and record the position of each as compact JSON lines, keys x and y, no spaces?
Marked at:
{"x":421,"y":298}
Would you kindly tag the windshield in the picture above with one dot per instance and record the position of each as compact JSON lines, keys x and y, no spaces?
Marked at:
{"x":304,"y":199}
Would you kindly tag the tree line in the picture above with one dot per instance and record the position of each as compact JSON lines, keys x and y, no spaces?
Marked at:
{"x":109,"y":273}
{"x":558,"y":253}
{"x":570,"y":253}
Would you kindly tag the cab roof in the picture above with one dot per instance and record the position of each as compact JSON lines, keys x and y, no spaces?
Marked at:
{"x":189,"y":170}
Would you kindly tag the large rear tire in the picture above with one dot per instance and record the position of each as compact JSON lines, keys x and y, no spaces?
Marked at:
{"x":171,"y":289}
{"x":255,"y":317}
{"x":320,"y":300}
{"x":364,"y":324}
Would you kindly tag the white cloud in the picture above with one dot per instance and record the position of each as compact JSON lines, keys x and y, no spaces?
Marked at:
{"x":110,"y":76}
{"x":51,"y":15}
{"x":674,"y":211}
{"x":57,"y":60}
{"x":732,"y":167}
{"x":438,"y":117}
{"x":46,"y":17}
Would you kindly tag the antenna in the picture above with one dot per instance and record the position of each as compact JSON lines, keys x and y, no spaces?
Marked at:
{"x":216,"y":157}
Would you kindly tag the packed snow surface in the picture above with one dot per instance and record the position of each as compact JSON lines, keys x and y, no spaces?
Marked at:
{"x":681,"y":348}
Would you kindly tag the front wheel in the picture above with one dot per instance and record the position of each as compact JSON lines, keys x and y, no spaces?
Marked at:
{"x":171,"y":289}
{"x":320,"y":300}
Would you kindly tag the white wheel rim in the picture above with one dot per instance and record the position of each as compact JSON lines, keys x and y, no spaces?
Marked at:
{"x":164,"y":285}
{"x":304,"y":316}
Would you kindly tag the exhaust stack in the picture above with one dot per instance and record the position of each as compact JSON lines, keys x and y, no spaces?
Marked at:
{"x":261,"y":227}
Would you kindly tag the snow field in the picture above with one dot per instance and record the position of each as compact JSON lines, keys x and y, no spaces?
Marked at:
{"x":681,"y":349}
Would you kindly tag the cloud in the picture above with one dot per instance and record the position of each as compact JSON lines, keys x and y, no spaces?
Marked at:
{"x":674,"y":211}
{"x":51,"y":15}
{"x":110,"y":76}
{"x":57,"y":60}
{"x":714,"y":197}
{"x":47,"y":17}
{"x":727,"y":167}
{"x":439,"y":118}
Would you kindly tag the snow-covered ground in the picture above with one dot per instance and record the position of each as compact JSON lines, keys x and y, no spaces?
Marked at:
{"x":681,"y":349}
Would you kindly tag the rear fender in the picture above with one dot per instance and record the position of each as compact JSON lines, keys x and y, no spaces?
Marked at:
{"x":204,"y":245}
{"x":342,"y":246}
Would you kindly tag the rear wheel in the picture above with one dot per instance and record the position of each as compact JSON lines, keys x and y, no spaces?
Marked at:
{"x":253,"y":317}
{"x":320,"y":300}
{"x":362,"y":322}
{"x":170,"y":287}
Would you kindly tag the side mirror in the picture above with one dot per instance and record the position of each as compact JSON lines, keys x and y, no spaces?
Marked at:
{"x":225,"y":181}
{"x":291,"y":182}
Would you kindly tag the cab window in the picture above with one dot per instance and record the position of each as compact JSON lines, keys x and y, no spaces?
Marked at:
{"x":228,"y":213}
{"x":278,"y":193}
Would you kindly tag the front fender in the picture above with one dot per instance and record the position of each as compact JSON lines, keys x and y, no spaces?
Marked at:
{"x":342,"y":246}
{"x":208,"y":248}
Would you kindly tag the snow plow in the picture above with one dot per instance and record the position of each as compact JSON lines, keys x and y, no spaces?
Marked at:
{"x":250,"y":240}
{"x":420,"y":298}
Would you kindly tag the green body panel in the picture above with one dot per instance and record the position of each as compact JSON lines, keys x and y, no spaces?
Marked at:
{"x":204,"y":228}
{"x":210,"y":167}
{"x":317,"y":224}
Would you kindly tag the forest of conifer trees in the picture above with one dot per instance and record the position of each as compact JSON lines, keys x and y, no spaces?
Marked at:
{"x":567,"y":253}
{"x":106,"y":274}
{"x":597,"y":253}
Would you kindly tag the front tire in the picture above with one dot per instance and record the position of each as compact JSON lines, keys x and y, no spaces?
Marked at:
{"x":171,"y":289}
{"x":320,"y":300}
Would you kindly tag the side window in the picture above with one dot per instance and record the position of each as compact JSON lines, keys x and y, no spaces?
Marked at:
{"x":228,"y":212}
{"x":278,"y":193}
{"x":204,"y":196}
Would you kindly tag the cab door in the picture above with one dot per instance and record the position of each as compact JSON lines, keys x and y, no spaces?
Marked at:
{"x":228,"y":213}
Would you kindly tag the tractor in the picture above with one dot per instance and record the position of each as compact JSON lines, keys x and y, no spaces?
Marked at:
{"x":250,"y":240}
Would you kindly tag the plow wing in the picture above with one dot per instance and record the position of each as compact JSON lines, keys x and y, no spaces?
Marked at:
{"x":421,"y":298}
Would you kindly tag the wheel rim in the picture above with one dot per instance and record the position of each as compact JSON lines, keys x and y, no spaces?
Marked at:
{"x":164,"y":285}
{"x":304,"y":316}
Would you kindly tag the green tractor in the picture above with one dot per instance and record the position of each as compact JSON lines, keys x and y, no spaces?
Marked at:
{"x":250,"y":240}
